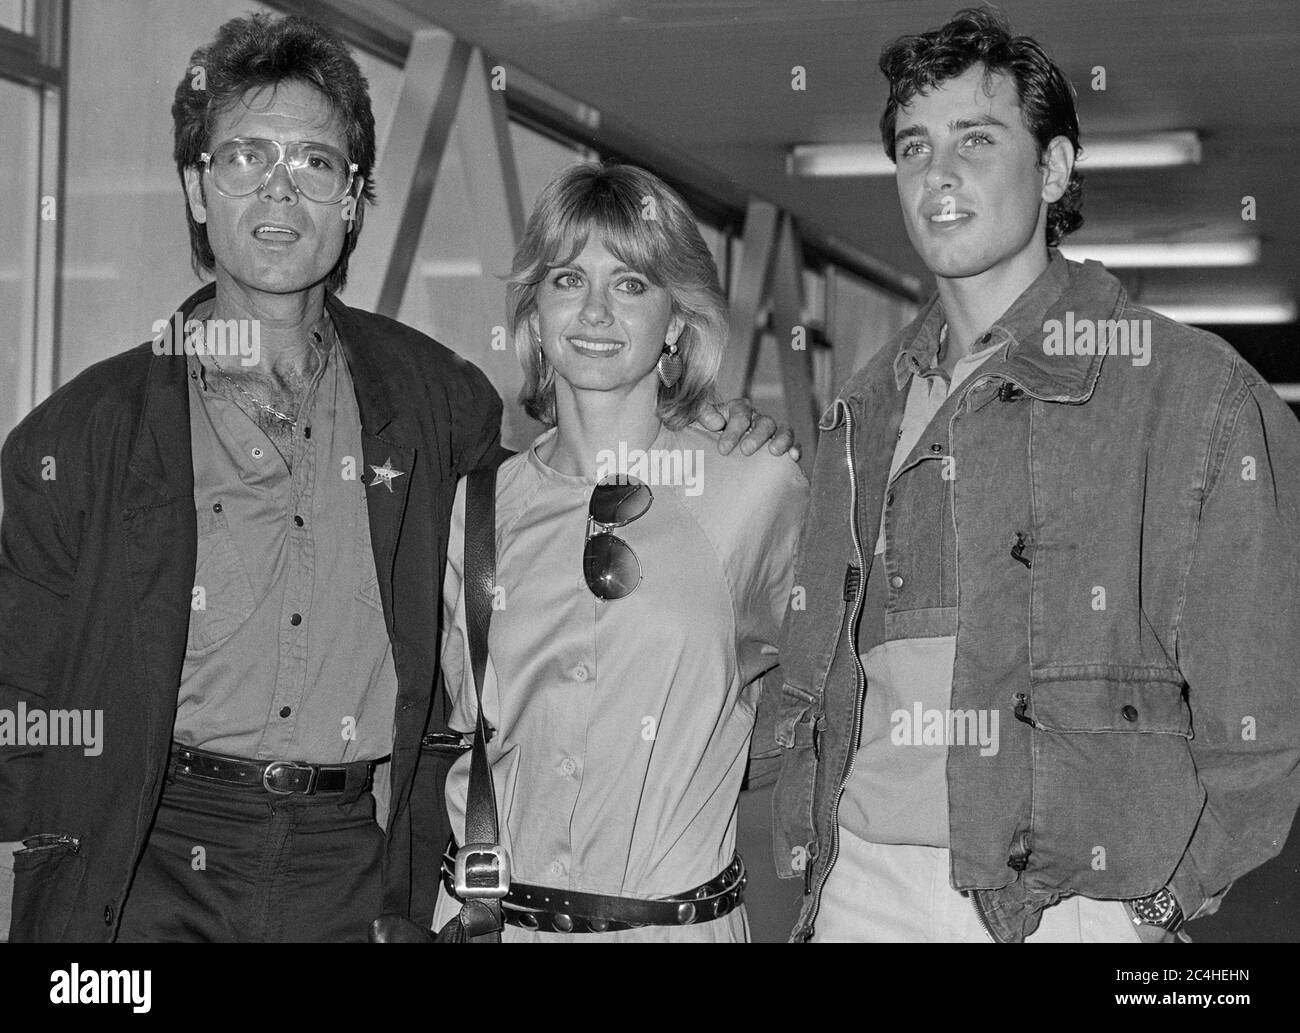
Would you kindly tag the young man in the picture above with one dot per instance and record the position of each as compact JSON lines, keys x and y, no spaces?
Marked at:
{"x":234,"y":569}
{"x":1044,"y":685}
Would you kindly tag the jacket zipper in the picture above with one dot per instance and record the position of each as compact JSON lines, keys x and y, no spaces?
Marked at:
{"x":983,"y":918}
{"x":49,"y":840}
{"x":860,"y":673}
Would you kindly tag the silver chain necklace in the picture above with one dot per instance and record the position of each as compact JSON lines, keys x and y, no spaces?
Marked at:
{"x":270,"y":410}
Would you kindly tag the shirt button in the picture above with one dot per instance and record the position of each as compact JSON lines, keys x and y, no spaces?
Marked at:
{"x":557,"y":868}
{"x":216,"y":507}
{"x":896,"y":581}
{"x":1130,"y":712}
{"x":256,"y":453}
{"x":889,"y":498}
{"x":936,"y":448}
{"x":296,"y":619}
{"x":108,"y":914}
{"x":567,"y":766}
{"x":286,"y":711}
{"x":580,"y":673}
{"x":297,"y":520}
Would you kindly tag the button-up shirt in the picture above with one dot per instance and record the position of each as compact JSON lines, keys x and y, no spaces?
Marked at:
{"x":623,"y":727}
{"x":897,"y":791}
{"x":287,"y":656}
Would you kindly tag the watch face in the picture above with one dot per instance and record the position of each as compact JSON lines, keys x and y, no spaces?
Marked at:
{"x":1158,"y":909}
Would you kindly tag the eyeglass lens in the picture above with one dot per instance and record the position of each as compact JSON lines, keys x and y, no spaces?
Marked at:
{"x":320,"y":172}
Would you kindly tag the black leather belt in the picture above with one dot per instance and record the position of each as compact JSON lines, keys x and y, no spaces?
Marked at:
{"x":282,"y":777}
{"x":548,"y":910}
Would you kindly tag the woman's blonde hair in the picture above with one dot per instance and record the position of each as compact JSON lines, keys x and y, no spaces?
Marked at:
{"x":643,"y":223}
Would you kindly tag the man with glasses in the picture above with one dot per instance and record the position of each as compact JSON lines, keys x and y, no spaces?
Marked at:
{"x":239,"y":559}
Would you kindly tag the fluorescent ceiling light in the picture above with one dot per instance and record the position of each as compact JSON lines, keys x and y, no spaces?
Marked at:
{"x":1215,"y":253}
{"x":1148,"y":151}
{"x":1211,"y":313}
{"x":838,"y":159}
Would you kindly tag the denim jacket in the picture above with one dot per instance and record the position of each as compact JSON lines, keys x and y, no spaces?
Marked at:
{"x":1151,"y":591}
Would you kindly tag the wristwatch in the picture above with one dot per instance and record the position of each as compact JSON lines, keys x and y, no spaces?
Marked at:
{"x":1160,"y":909}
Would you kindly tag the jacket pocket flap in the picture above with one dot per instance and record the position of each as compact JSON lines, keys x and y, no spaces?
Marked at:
{"x":1106,"y":704}
{"x":794,"y":722}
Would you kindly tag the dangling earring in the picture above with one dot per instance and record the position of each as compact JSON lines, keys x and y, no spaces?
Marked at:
{"x":670,"y":365}
{"x":544,"y":370}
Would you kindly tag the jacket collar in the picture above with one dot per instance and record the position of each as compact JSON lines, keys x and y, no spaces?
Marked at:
{"x":1064,"y":287}
{"x":369,"y":377}
{"x":161,"y":457}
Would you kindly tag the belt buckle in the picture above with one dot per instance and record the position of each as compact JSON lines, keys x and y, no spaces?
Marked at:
{"x":482,"y":871}
{"x":276,"y":765}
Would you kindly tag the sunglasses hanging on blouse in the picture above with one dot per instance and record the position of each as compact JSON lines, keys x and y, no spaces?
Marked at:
{"x":609,"y":565}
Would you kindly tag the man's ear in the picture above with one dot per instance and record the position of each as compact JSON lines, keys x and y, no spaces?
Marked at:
{"x":358,"y":217}
{"x":352,"y":210}
{"x":194,"y":194}
{"x":1058,"y":164}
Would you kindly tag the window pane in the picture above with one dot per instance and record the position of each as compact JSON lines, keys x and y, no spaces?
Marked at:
{"x":384,"y":80}
{"x":449,"y":295}
{"x":11,"y":15}
{"x":539,"y":159}
{"x":19,"y":223}
{"x":863,"y":321}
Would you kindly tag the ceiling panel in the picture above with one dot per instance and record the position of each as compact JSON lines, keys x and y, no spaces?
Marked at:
{"x":712,"y":80}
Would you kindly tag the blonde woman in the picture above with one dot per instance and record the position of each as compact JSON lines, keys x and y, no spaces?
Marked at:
{"x":641,"y":576}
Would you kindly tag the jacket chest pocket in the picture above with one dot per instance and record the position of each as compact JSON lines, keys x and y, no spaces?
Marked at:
{"x":222,"y":597}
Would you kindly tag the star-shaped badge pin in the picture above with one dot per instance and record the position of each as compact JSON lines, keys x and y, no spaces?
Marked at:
{"x":385,"y":474}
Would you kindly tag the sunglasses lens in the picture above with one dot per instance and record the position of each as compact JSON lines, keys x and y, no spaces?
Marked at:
{"x":616,"y":504}
{"x":610,"y":567}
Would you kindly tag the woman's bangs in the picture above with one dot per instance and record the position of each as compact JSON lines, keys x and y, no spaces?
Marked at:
{"x":623,"y":233}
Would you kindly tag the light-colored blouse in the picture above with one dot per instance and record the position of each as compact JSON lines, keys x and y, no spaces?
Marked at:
{"x":623,"y":726}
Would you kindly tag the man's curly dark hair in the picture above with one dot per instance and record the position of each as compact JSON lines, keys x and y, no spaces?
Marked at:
{"x":914,"y":64}
{"x":261,"y":51}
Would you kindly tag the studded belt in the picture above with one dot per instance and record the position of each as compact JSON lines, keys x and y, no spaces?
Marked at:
{"x":282,"y":777}
{"x":548,"y":910}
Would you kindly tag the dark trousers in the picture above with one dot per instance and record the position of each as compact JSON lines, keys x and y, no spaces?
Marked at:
{"x":229,"y":864}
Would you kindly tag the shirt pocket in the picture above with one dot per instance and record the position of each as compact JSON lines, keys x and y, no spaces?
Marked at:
{"x":223,"y":595}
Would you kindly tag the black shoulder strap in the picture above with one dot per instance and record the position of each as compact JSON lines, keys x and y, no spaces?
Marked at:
{"x":480,"y":584}
{"x":481,"y":918}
